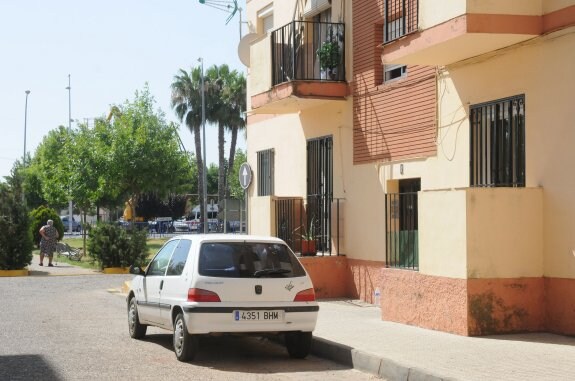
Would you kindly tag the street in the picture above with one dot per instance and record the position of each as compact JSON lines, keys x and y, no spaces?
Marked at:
{"x":75,"y":328}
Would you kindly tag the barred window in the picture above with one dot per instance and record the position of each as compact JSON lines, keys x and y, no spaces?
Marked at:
{"x":401,"y":18}
{"x":497,"y":143}
{"x":266,"y":172}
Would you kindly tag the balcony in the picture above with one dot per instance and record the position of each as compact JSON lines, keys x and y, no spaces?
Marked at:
{"x":307,"y":62}
{"x":481,"y":232}
{"x":427,"y":32}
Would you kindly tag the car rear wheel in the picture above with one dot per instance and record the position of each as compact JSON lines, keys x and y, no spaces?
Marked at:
{"x":137,"y":330}
{"x":185,"y":345}
{"x":298,"y":344}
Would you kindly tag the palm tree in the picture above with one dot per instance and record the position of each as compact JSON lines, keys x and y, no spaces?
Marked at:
{"x":235,"y":98}
{"x":227,"y":100}
{"x":187,"y":104}
{"x":217,"y":114}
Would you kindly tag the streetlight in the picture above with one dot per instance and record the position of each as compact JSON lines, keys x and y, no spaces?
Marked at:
{"x":204,"y":177}
{"x":25,"y":120}
{"x":24,"y":157}
{"x":69,"y":88}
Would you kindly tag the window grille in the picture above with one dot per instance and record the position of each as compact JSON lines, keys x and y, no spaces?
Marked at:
{"x":266,"y":172}
{"x":401,"y":17}
{"x":497,"y":143}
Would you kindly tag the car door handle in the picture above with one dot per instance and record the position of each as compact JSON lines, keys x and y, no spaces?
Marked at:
{"x":161,"y":285}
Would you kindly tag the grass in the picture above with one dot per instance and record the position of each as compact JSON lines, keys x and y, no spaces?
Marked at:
{"x":154,"y":244}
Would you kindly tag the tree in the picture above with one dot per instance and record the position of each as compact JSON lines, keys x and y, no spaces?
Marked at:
{"x":226,"y":103}
{"x":144,"y":154}
{"x":187,"y":104}
{"x":50,"y":164}
{"x":15,"y":236}
{"x":235,"y":189}
{"x":235,"y":98}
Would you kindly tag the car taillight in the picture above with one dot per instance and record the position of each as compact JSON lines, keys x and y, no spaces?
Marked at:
{"x":200,"y":295}
{"x":305,"y":296}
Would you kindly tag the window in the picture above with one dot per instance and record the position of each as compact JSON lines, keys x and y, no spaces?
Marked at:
{"x":248,"y":260}
{"x":159,"y":264}
{"x":266,"y":172}
{"x":391,"y":72}
{"x":178,"y":261}
{"x":266,"y":19}
{"x":497,"y":143}
{"x":401,"y":18}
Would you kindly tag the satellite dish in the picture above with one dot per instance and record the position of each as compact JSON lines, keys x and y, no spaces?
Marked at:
{"x":244,"y":48}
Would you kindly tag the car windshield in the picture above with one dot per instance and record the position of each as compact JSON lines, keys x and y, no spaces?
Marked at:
{"x":248,"y":260}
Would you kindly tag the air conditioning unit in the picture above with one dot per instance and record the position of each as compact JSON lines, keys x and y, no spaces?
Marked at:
{"x":313,"y":7}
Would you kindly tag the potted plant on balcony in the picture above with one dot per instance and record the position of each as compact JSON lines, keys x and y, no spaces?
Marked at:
{"x":329,"y":57}
{"x":308,"y":247}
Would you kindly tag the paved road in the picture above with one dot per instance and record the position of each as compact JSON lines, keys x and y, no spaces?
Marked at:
{"x":75,"y":328}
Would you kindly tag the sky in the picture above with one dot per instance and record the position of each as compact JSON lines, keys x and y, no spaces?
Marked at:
{"x":110,"y":49}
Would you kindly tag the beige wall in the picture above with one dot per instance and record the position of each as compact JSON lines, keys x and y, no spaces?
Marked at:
{"x":442,"y":233}
{"x":546,"y":80}
{"x":261,"y":218}
{"x":553,"y":5}
{"x":504,"y":232}
{"x":260,"y":74}
{"x":431,"y":15}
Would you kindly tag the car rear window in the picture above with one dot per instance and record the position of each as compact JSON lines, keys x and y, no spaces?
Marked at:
{"x":248,"y":260}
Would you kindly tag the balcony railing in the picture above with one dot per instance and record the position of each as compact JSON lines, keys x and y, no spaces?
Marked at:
{"x":401,"y":18}
{"x":305,"y":50}
{"x":294,"y":219}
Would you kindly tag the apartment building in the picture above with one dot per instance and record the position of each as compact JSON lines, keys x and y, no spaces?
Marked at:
{"x":431,"y":159}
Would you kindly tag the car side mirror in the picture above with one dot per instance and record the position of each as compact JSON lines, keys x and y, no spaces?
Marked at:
{"x":137,"y":270}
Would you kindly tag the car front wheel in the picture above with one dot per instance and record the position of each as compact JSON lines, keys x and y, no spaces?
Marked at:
{"x":137,"y":330}
{"x":185,"y":345}
{"x":298,"y":344}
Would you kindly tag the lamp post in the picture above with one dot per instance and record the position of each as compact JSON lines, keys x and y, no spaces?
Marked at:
{"x":69,"y":88}
{"x":25,"y":121}
{"x":204,"y":176}
{"x":24,"y":157}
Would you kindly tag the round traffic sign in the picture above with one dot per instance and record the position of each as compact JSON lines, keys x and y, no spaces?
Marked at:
{"x":245,"y":175}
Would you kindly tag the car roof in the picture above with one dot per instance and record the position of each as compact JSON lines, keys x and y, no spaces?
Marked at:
{"x":229,"y":238}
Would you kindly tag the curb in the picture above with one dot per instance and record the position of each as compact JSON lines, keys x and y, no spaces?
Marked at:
{"x":368,"y":362}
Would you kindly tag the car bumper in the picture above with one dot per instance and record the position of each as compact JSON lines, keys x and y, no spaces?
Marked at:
{"x":205,"y":320}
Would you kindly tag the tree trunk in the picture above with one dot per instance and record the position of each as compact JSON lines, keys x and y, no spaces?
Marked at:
{"x":232,"y":158}
{"x":222,"y":166}
{"x":200,"y":164}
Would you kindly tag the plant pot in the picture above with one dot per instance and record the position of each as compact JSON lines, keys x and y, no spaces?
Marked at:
{"x":308,"y":248}
{"x":332,"y":74}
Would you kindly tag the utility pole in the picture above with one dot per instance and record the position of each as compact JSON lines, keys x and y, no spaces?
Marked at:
{"x":24,"y":157}
{"x":70,"y":211}
{"x":205,"y":176}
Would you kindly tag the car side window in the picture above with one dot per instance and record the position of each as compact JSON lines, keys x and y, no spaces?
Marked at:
{"x":178,"y":261}
{"x":159,"y":264}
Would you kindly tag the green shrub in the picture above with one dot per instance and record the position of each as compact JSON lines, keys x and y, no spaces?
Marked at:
{"x":39,"y":218}
{"x":113,"y":246}
{"x":15,"y":238}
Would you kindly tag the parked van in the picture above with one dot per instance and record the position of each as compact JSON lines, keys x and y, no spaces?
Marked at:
{"x":195,"y":218}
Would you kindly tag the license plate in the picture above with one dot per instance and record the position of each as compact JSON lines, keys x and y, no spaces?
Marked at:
{"x":259,"y":315}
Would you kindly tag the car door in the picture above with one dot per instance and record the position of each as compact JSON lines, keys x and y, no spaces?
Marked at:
{"x":149,"y":307}
{"x":176,"y":284}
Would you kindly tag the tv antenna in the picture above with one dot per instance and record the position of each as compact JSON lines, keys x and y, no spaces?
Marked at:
{"x":229,"y":6}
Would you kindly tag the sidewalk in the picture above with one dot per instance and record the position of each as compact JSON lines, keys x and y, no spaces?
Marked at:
{"x":352,"y":332}
{"x":60,"y":268}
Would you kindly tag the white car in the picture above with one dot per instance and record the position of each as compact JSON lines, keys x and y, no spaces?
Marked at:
{"x":182,"y":226}
{"x":217,"y":284}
